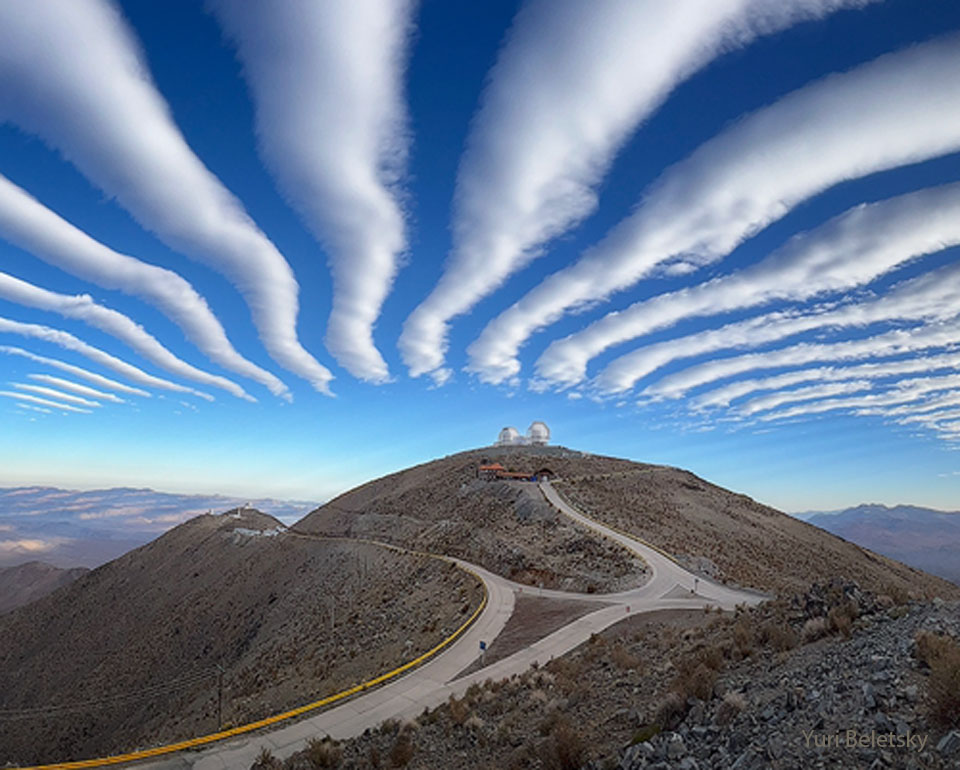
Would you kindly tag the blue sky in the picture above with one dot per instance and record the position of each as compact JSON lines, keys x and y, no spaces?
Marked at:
{"x":308,"y":244}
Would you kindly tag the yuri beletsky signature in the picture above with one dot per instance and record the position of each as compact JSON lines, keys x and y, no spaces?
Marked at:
{"x":853,"y":739}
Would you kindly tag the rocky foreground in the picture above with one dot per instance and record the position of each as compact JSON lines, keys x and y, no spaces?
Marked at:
{"x":833,"y":678}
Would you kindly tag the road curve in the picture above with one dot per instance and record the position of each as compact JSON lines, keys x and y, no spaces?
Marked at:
{"x":669,"y":587}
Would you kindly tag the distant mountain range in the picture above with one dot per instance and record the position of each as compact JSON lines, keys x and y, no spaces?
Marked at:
{"x":921,"y":537}
{"x":27,"y":582}
{"x":70,"y":528}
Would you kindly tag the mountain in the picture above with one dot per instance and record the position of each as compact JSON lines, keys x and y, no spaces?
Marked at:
{"x":27,"y":582}
{"x":128,"y":654}
{"x":504,"y":526}
{"x":922,"y":537}
{"x":68,"y":527}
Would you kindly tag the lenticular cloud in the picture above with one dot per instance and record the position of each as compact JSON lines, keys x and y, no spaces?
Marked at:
{"x":552,"y":118}
{"x":82,"y":307}
{"x":77,"y":371}
{"x":70,"y":342}
{"x":849,"y":251}
{"x":71,"y":72}
{"x":27,"y":223}
{"x":327,"y":83}
{"x":878,"y":116}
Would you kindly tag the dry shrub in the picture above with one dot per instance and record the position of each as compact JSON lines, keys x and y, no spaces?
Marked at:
{"x":695,"y":682}
{"x":402,"y":751}
{"x":897,"y":593}
{"x":624,"y":659}
{"x":813,"y":629}
{"x":323,"y":753}
{"x":711,"y":657}
{"x":743,"y":636}
{"x":779,"y":635}
{"x":565,"y":750}
{"x":840,"y":618}
{"x":942,"y":654}
{"x":266,"y":761}
{"x":731,"y":705}
{"x":459,"y":711}
{"x":671,"y":711}
{"x":373,"y":757}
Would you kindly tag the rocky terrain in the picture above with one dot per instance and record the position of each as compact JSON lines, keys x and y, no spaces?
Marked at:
{"x":694,"y":691}
{"x":505,"y":526}
{"x":131,"y":653}
{"x":27,"y":582}
{"x":738,"y":539}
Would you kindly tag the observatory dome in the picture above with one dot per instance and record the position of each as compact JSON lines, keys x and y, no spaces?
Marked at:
{"x":508,"y":436}
{"x":538,"y":433}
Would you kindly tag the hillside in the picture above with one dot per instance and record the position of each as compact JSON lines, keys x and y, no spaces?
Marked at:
{"x":27,"y":582}
{"x":441,"y":506}
{"x":505,"y":526}
{"x":129,"y":651}
{"x":924,"y":538}
{"x":745,"y":542}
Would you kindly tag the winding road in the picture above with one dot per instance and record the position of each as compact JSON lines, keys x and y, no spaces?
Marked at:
{"x":669,"y":587}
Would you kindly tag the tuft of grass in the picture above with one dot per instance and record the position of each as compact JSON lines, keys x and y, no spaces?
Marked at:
{"x":942,"y":654}
{"x":265,"y":760}
{"x":731,"y":705}
{"x":644,"y":734}
{"x":566,"y":748}
{"x":780,"y":636}
{"x":402,"y":751}
{"x":813,"y":629}
{"x":459,"y":710}
{"x":671,"y":711}
{"x":323,"y":753}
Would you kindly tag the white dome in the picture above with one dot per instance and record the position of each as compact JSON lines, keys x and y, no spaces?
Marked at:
{"x":508,"y":436}
{"x":538,"y":433}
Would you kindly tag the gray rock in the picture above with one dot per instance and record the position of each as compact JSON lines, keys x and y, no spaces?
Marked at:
{"x":949,"y":744}
{"x":675,"y":747}
{"x":910,"y":693}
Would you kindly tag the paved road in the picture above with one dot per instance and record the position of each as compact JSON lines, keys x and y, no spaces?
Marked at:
{"x":669,"y":587}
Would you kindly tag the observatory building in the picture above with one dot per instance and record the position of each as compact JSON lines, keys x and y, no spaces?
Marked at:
{"x":538,"y":434}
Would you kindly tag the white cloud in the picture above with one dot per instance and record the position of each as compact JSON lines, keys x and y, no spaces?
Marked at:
{"x":27,"y":223}
{"x":82,"y":307}
{"x":72,"y":72}
{"x":52,"y":393}
{"x":851,"y":250}
{"x":75,"y":387}
{"x":28,"y":545}
{"x":45,"y":401}
{"x":327,"y":81}
{"x":70,"y":342}
{"x":878,"y":116}
{"x":888,"y":344}
{"x":33,"y":409}
{"x":930,"y":296}
{"x":811,"y":393}
{"x":723,"y":396}
{"x":97,"y":379}
{"x":552,"y":118}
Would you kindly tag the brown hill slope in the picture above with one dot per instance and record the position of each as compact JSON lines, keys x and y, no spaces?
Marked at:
{"x":290,"y":619}
{"x":441,"y":506}
{"x":749,"y":543}
{"x":505,"y":526}
{"x":27,"y":582}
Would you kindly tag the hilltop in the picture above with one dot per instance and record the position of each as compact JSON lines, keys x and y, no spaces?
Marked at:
{"x":128,"y":652}
{"x":27,"y":582}
{"x":504,"y":525}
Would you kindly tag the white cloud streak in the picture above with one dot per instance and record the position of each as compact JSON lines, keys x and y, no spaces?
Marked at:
{"x":327,"y":81}
{"x":551,"y":121}
{"x":70,"y":342}
{"x":44,"y":401}
{"x":811,"y":393}
{"x":930,"y":296}
{"x":77,"y":371}
{"x":723,"y":396}
{"x":850,"y":250}
{"x":878,"y":116}
{"x":75,"y":387}
{"x":52,"y":393}
{"x":892,"y":343}
{"x":40,"y":409}
{"x":31,"y":226}
{"x":72,"y":72}
{"x":82,"y":307}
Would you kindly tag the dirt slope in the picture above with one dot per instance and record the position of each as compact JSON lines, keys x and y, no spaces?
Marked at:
{"x":289,"y":619}
{"x":748,"y":543}
{"x":27,"y":582}
{"x":505,"y":526}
